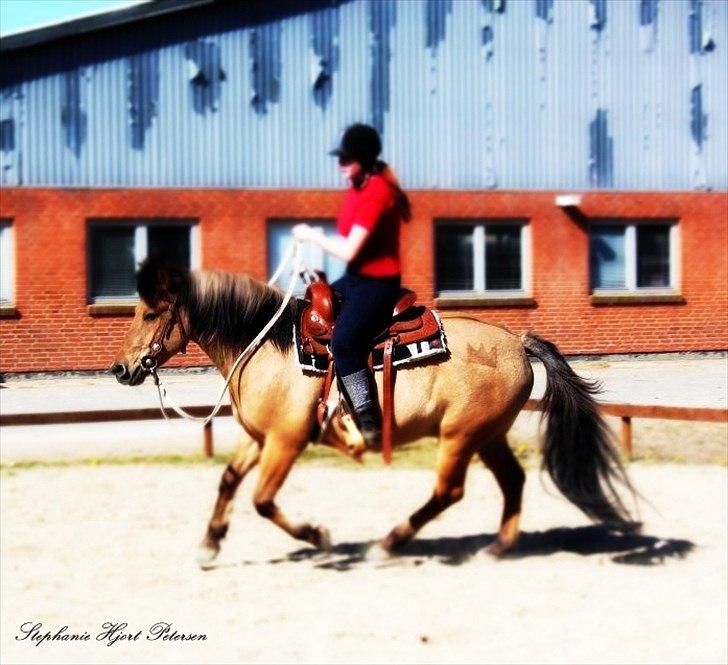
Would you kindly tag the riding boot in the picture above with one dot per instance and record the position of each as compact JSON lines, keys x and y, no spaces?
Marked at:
{"x":361,"y":393}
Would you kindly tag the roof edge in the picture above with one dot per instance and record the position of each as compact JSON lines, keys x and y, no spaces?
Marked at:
{"x":92,"y":23}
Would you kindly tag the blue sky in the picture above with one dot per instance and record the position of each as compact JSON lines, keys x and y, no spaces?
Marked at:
{"x":23,"y":14}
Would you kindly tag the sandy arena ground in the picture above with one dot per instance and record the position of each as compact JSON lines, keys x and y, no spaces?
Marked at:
{"x":93,"y":543}
{"x":85,"y":545}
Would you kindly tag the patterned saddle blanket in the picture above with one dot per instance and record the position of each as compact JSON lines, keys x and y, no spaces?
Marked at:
{"x":417,"y":331}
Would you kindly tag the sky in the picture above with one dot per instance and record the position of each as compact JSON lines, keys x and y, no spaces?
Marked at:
{"x":24,"y":14}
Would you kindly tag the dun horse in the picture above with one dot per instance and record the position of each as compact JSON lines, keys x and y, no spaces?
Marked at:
{"x":469,"y":401}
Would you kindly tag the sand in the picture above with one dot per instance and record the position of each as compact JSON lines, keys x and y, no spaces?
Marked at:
{"x":86,"y":545}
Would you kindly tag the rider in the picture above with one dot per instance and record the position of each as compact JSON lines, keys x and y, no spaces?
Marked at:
{"x":368,"y":224}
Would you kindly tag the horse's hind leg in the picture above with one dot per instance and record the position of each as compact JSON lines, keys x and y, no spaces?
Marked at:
{"x":510,"y":477}
{"x":452,"y":465}
{"x":245,"y":458}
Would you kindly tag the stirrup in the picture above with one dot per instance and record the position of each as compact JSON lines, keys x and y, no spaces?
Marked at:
{"x":348,"y":430}
{"x":353,"y":437}
{"x":354,"y":440}
{"x":345,"y":435}
{"x":329,"y":411}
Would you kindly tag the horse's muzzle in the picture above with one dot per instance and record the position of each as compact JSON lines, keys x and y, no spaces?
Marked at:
{"x":120,"y":372}
{"x":123,"y":376}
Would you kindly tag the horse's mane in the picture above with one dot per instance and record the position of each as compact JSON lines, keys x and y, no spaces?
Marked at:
{"x":230,"y":310}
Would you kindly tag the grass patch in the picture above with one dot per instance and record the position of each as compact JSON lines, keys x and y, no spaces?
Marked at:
{"x":421,"y":454}
{"x":116,"y":461}
{"x":418,"y":455}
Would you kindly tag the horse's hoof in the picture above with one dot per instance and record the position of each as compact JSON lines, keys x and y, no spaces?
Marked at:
{"x":498,"y":549}
{"x":206,"y":554}
{"x":323,"y":540}
{"x":320,"y":537}
{"x":397,"y":538}
{"x":378,"y":552}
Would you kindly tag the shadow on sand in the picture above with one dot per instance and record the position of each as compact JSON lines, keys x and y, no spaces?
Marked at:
{"x":631,"y":548}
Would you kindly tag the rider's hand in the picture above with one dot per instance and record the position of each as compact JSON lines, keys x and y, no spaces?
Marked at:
{"x":303,"y":232}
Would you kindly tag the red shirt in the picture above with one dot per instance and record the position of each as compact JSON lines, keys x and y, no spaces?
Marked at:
{"x":374,"y":208}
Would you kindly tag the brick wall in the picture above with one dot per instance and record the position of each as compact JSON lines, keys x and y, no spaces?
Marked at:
{"x":52,"y":329}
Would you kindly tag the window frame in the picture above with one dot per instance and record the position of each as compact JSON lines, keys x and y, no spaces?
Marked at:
{"x":8,"y":267}
{"x":631,"y":289}
{"x":316,"y":254}
{"x":480,"y":294}
{"x":141,"y":226}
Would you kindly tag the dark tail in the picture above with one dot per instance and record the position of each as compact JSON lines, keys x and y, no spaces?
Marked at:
{"x":578,"y":452}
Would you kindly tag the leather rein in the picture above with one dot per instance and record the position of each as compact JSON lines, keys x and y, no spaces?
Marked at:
{"x":151,"y":360}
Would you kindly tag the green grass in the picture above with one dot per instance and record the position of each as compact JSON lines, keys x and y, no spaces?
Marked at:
{"x":419,"y":455}
{"x":413,"y":456}
{"x":650,"y":459}
{"x":116,"y":461}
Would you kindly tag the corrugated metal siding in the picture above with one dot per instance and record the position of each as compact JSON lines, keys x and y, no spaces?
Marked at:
{"x":469,"y":94}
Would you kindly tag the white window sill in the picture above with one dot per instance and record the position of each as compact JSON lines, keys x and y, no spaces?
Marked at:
{"x":8,"y":311}
{"x":112,"y":307}
{"x":484,"y":299}
{"x":638,"y":297}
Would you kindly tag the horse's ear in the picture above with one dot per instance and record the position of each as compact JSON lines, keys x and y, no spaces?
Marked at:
{"x":157,"y":281}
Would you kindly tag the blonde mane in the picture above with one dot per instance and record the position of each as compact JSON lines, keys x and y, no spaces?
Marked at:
{"x":230,"y":310}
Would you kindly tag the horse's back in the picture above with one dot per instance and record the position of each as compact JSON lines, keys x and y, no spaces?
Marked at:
{"x":486,"y":378}
{"x":491,"y":362}
{"x":486,"y":346}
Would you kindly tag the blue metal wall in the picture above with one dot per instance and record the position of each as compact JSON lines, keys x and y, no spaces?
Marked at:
{"x":469,"y":94}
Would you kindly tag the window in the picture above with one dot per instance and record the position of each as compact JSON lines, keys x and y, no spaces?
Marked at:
{"x":482,"y":256}
{"x":314,"y":258}
{"x":7,"y":264}
{"x":638,"y":256}
{"x":116,"y":247}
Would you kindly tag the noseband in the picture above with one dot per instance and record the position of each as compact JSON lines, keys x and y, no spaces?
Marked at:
{"x":170,"y":316}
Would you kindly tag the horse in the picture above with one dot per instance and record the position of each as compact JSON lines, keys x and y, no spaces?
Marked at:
{"x":468,"y":399}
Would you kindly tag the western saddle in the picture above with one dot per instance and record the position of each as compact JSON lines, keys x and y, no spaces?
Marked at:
{"x":410,"y":324}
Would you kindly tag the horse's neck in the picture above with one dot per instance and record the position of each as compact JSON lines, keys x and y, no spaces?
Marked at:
{"x":221,"y":354}
{"x":222,"y":357}
{"x":263,"y":370}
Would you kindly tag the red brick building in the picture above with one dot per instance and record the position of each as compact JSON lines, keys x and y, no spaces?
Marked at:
{"x":202,"y":128}
{"x":52,"y":326}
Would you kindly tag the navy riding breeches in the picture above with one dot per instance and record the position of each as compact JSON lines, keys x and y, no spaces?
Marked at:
{"x":367,"y":304}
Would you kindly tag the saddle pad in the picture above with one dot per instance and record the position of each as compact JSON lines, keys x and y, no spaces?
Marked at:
{"x":403,"y":354}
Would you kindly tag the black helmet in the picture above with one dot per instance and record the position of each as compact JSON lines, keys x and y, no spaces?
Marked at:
{"x":360,"y":143}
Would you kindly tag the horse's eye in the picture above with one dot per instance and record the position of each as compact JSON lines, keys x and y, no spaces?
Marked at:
{"x":150,"y":316}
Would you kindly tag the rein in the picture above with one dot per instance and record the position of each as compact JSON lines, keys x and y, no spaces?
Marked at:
{"x":150,"y":361}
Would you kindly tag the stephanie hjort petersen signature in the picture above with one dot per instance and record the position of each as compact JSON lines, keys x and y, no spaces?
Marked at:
{"x":111,"y":633}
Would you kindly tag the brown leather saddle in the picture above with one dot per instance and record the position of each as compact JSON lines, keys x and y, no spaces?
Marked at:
{"x":411,"y":325}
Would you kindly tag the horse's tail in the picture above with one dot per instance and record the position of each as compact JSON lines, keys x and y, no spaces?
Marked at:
{"x":578,"y":452}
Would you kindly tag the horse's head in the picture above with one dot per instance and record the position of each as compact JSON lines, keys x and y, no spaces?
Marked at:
{"x":160,"y":326}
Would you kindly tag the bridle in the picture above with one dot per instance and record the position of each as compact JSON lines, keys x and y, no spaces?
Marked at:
{"x":170,"y":316}
{"x":150,"y":361}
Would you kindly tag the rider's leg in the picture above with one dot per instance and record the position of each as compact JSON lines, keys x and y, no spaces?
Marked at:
{"x":361,"y":393}
{"x":365,"y":312}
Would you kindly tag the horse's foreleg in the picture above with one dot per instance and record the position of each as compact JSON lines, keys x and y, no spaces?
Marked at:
{"x":509,"y":474}
{"x":245,"y":458}
{"x":277,"y":459}
{"x":452,"y":465}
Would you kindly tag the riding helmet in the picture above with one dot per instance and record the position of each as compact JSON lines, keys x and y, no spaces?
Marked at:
{"x":360,"y":143}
